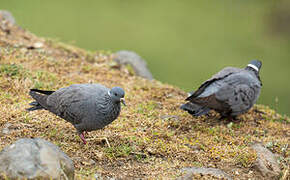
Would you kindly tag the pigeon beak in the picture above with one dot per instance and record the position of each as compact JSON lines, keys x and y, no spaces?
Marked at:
{"x":122,"y":100}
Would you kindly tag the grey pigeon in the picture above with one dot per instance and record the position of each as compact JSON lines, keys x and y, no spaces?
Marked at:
{"x":86,"y":106}
{"x":231,"y":92}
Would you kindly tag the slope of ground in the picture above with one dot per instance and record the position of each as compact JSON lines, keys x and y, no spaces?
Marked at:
{"x":152,"y":138}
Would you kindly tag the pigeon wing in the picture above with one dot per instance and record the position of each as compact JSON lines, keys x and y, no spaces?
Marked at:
{"x":76,"y":102}
{"x":220,"y":75}
{"x":239,"y":93}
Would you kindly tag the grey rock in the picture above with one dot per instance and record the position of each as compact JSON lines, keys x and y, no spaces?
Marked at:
{"x":7,"y":16}
{"x":35,"y":158}
{"x":266,"y":163}
{"x":91,"y":162}
{"x":7,"y":128}
{"x":190,"y":172}
{"x":231,"y":92}
{"x":86,"y":106}
{"x":139,"y":65}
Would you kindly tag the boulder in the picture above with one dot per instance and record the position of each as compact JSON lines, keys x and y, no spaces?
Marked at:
{"x":266,"y":162}
{"x":194,"y":172}
{"x":6,"y":15}
{"x":35,"y":159}
{"x":138,"y":64}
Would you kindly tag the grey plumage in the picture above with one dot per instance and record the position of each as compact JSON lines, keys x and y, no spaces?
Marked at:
{"x":87,"y":106}
{"x":231,"y":92}
{"x":194,"y":109}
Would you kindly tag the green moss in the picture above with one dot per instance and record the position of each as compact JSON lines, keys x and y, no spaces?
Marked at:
{"x":122,"y":150}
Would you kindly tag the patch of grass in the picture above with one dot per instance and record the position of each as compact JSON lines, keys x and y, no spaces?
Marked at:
{"x":246,"y":158}
{"x":11,"y":70}
{"x":43,"y":80}
{"x":122,"y":150}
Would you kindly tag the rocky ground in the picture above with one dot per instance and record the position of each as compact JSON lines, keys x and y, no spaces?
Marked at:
{"x":152,"y":138}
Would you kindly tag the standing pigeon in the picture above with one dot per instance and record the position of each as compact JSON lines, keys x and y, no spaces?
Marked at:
{"x":231,"y":92}
{"x":86,"y":106}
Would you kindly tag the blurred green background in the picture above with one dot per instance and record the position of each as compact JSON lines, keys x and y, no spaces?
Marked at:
{"x":183,"y":41}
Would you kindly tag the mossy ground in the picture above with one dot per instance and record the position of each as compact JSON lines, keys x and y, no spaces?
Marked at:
{"x":152,"y":137}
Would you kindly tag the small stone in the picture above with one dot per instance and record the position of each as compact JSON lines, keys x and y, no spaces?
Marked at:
{"x":23,"y":50}
{"x":98,"y":176}
{"x":92,"y":162}
{"x":169,"y":117}
{"x":38,"y":45}
{"x":7,"y":128}
{"x":196,"y":148}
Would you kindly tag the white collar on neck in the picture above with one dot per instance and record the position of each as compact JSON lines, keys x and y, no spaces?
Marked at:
{"x":253,"y":66}
{"x":109,"y":93}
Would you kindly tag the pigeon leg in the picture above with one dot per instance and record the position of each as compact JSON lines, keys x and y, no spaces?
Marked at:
{"x":232,"y":119}
{"x":83,"y":138}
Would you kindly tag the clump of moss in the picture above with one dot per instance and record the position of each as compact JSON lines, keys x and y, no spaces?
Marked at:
{"x":122,"y":150}
{"x":246,"y":158}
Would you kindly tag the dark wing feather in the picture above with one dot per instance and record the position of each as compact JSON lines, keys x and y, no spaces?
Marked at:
{"x":42,"y":91}
{"x":220,"y":75}
{"x":194,"y":109}
{"x":211,"y":102}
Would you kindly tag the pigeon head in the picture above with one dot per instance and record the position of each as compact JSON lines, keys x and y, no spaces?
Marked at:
{"x":117,"y":94}
{"x":255,"y":64}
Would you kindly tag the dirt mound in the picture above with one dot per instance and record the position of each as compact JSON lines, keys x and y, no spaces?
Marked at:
{"x":145,"y":141}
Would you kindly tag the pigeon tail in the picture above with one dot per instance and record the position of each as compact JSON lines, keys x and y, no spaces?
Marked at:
{"x":33,"y":108}
{"x":194,"y":109}
{"x":42,"y":91}
{"x":40,"y":97}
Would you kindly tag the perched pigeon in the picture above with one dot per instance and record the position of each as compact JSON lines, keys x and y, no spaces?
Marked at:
{"x":231,"y":92}
{"x":87,"y":106}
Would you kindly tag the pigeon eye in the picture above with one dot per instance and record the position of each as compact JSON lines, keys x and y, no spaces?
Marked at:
{"x":115,"y":94}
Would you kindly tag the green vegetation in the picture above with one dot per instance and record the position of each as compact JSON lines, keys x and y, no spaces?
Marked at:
{"x":10,"y":70}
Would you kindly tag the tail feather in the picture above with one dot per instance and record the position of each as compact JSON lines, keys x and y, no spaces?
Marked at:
{"x":194,"y":109}
{"x":34,"y":103}
{"x":40,"y":97}
{"x":33,"y":108}
{"x":42,"y":91}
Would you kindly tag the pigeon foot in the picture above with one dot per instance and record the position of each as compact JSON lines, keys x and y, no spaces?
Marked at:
{"x":83,"y":138}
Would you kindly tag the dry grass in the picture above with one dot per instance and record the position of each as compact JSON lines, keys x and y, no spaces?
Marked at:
{"x":144,"y":143}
